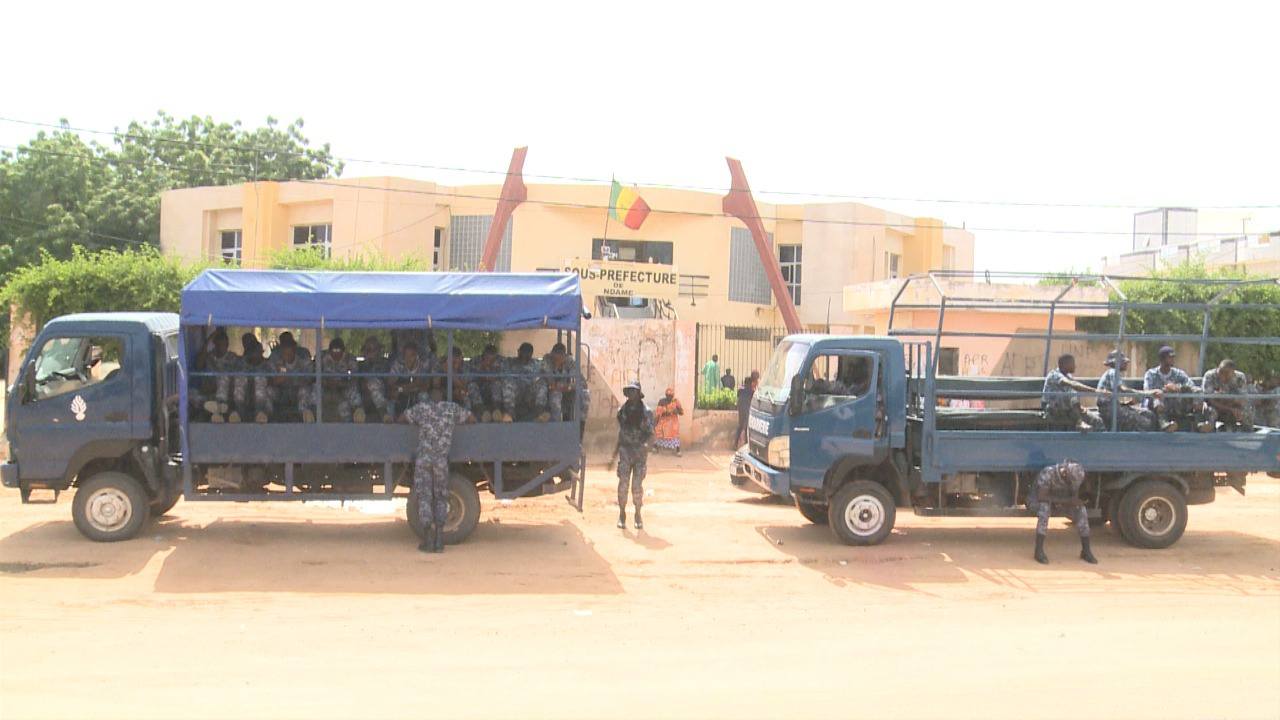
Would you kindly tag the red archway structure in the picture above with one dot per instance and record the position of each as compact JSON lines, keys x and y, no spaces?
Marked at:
{"x":741,"y":205}
{"x":513,"y":193}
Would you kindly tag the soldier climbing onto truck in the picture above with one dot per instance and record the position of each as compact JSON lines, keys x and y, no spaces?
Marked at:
{"x":435,"y":421}
{"x":1058,"y":487}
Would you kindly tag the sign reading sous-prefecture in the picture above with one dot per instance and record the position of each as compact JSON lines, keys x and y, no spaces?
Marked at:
{"x":626,"y":279}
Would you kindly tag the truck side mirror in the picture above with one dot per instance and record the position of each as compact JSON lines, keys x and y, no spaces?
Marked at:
{"x":28,"y":382}
{"x":795,"y":401}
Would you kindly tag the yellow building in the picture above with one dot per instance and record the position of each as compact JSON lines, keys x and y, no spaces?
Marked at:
{"x":823,"y":247}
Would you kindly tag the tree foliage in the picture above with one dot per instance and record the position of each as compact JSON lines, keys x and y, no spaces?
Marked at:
{"x":59,"y":192}
{"x":1257,"y":361}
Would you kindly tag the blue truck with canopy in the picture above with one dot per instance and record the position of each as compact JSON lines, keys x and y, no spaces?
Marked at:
{"x":102,"y":402}
{"x":849,"y":453}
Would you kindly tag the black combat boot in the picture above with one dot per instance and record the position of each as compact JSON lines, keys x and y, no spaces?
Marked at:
{"x":622,"y":519}
{"x":1040,"y":556}
{"x":1086,"y":552}
{"x":639,"y":522}
{"x":437,"y":541}
{"x":424,"y":546}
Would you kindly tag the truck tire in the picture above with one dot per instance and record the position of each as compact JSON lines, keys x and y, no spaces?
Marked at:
{"x":464,"y":511}
{"x":862,"y":513}
{"x":813,"y":512}
{"x":1152,"y":514}
{"x":110,"y":506}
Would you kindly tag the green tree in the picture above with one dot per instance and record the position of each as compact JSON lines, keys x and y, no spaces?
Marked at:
{"x":59,"y":192}
{"x":1227,"y":321}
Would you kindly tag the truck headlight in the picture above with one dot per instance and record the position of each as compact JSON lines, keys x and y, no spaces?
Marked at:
{"x":778,"y":453}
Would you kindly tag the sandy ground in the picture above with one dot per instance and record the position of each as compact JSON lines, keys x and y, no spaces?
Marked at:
{"x":728,"y":606}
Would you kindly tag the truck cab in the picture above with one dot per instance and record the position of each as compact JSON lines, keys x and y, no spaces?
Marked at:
{"x":92,"y":408}
{"x":829,"y":415}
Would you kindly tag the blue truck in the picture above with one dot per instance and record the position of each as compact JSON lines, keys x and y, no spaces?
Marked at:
{"x":850,"y":428}
{"x":102,"y":402}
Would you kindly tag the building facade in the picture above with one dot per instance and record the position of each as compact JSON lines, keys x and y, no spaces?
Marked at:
{"x":822,"y":248}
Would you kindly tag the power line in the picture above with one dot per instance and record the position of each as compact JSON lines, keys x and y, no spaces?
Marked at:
{"x":673,"y":186}
{"x":47,"y":226}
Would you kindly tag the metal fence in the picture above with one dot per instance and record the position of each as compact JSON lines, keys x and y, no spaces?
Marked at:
{"x":738,"y":349}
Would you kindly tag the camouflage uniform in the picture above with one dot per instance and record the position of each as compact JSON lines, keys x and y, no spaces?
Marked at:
{"x":1175,"y":409}
{"x":404,"y":373}
{"x":435,"y":421}
{"x":633,"y":457}
{"x":261,"y":391}
{"x":1237,"y":385}
{"x":490,"y":394}
{"x":348,"y":392}
{"x":1064,"y":409}
{"x":373,"y":390}
{"x":561,"y":386}
{"x":1129,"y":417}
{"x":530,"y":389}
{"x":1056,"y":488}
{"x":294,"y":391}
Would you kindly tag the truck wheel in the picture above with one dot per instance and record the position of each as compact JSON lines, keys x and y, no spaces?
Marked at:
{"x":110,"y":506}
{"x":1152,"y":514}
{"x":464,"y":511}
{"x":862,"y":513}
{"x":813,"y":512}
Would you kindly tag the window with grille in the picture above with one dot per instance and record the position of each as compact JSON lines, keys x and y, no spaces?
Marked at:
{"x":747,"y":281}
{"x":314,"y":236}
{"x":229,"y":244}
{"x":892,"y":261}
{"x":789,"y":257}
{"x":467,"y":234}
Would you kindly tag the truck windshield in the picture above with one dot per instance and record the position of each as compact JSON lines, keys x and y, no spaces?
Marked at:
{"x":775,"y":384}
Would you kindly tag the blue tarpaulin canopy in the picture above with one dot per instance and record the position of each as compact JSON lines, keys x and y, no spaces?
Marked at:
{"x":447,"y":301}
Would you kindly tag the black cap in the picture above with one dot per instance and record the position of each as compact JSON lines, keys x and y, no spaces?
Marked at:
{"x":1166,"y":351}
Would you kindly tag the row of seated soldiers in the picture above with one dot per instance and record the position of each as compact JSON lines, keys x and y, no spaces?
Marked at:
{"x":379,"y":388}
{"x":1156,"y":406}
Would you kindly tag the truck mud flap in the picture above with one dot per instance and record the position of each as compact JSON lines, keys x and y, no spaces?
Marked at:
{"x":25,"y":490}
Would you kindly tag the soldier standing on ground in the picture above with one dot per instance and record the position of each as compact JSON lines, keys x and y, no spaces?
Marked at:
{"x":635,"y":430}
{"x":435,"y":421}
{"x":1058,"y":486}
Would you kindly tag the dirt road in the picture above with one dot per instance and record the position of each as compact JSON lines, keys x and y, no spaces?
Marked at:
{"x":728,"y":606}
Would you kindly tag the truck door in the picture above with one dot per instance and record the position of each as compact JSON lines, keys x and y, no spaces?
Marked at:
{"x":836,"y":413}
{"x":76,"y":389}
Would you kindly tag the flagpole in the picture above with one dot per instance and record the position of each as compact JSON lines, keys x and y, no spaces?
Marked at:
{"x":607,"y":212}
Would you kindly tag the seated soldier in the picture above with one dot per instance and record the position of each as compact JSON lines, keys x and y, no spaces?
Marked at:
{"x":1060,"y":399}
{"x":1233,"y":413}
{"x":412,"y":382}
{"x":373,"y":390}
{"x":293,"y":375}
{"x":462,"y":385}
{"x":336,"y":367}
{"x":1166,"y":377}
{"x":287,"y":336}
{"x":530,"y":386}
{"x":253,"y":396}
{"x":219,"y":359}
{"x":493,"y":396}
{"x":562,"y":383}
{"x":1129,"y":418}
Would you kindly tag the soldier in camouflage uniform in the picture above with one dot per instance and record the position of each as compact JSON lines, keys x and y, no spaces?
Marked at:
{"x":435,"y":421}
{"x":412,"y":382}
{"x":294,"y":374}
{"x":1129,"y":418}
{"x":635,"y":431}
{"x":1060,"y":401}
{"x":1184,"y":411}
{"x":220,"y":360}
{"x":1058,"y":486}
{"x":253,"y":361}
{"x":494,"y":396}
{"x":1235,"y":414}
{"x":562,"y":383}
{"x":287,"y":337}
{"x":463,"y":386}
{"x":530,"y":386}
{"x":374,"y":389}
{"x":336,"y":367}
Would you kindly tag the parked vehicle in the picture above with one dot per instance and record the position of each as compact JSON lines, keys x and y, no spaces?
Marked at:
{"x":851,"y":428}
{"x":102,"y":402}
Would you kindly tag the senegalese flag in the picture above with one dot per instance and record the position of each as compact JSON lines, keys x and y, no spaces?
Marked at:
{"x":626,"y":206}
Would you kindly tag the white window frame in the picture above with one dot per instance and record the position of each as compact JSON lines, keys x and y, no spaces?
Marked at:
{"x":437,"y":248}
{"x":892,"y":265}
{"x":230,"y":255}
{"x":313,"y":237}
{"x":793,"y":271}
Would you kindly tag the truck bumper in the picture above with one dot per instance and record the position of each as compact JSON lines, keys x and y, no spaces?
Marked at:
{"x":9,"y":474}
{"x":771,"y":480}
